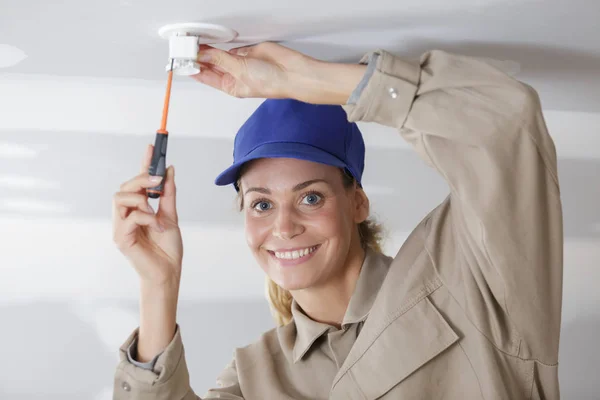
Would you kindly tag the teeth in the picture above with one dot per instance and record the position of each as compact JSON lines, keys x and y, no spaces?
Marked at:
{"x":293,"y":255}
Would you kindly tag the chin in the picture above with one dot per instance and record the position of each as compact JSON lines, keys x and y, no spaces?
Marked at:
{"x":292,"y":286}
{"x":296,"y":278}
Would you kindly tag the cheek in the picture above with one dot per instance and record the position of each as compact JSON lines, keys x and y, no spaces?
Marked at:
{"x":257,"y":231}
{"x":330,"y":222}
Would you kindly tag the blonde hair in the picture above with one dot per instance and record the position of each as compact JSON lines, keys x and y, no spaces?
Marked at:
{"x":280,"y":300}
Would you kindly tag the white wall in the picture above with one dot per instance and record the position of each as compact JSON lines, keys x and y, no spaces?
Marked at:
{"x":67,"y":297}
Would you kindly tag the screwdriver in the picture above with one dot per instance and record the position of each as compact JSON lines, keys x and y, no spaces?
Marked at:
{"x":159,"y":155}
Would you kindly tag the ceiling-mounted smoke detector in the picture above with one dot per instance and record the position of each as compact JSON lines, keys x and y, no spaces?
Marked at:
{"x":184,"y":40}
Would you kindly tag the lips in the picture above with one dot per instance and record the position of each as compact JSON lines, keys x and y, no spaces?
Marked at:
{"x":287,"y":257}
{"x":294,"y":254}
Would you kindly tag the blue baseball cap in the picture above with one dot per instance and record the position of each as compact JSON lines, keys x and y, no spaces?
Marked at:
{"x":293,"y":129}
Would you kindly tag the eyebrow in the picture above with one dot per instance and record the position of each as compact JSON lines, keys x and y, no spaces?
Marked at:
{"x":296,"y":188}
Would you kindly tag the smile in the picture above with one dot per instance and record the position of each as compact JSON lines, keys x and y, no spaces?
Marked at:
{"x":294,"y":257}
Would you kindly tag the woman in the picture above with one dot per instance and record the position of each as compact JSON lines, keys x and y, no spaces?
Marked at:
{"x":469,"y":308}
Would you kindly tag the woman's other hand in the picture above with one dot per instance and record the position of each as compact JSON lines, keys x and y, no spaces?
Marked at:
{"x":151,"y":241}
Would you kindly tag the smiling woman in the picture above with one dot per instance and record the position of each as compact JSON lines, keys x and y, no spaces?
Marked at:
{"x":311,"y":195}
{"x":468,"y":308}
{"x":287,"y":162}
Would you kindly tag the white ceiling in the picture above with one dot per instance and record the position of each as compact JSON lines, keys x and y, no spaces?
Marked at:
{"x":556,"y":42}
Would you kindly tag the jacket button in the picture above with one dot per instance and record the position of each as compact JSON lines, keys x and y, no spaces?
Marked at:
{"x":393,"y":92}
{"x":126,"y":386}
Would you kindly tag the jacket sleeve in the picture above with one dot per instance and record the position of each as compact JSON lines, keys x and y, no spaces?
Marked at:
{"x":132,"y":354}
{"x":169,"y":378}
{"x":485,"y":134}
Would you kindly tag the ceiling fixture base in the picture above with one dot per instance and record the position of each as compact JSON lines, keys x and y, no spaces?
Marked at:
{"x":185,"y":39}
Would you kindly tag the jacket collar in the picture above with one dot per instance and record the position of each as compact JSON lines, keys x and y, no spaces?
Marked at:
{"x":372,"y":274}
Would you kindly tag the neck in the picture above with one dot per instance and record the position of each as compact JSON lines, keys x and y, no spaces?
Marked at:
{"x":335,"y":293}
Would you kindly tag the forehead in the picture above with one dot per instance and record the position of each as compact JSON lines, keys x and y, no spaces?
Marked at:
{"x":267,"y":172}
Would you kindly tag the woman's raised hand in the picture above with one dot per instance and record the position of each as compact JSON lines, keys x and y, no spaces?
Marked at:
{"x":150,"y":241}
{"x":264,"y":70}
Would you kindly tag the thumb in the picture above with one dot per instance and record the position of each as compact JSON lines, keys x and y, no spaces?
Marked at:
{"x":167,"y":204}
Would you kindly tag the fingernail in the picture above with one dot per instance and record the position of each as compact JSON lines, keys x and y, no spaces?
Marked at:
{"x":150,"y":209}
{"x":204,"y":57}
{"x":155,"y":178}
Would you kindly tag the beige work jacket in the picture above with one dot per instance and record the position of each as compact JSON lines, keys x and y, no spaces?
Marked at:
{"x":470,"y":306}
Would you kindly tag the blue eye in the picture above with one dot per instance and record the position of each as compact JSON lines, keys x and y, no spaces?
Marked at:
{"x":262,"y":206}
{"x":311,"y":199}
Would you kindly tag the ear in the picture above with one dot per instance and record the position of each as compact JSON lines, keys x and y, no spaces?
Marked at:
{"x":361,"y":205}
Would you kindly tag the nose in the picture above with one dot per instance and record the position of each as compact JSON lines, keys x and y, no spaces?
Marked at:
{"x":287,"y":225}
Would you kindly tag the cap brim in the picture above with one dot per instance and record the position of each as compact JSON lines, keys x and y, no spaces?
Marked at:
{"x":299,"y":151}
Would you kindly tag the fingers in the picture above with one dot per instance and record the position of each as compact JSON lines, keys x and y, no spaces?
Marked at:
{"x":209,"y":76}
{"x":125,"y":202}
{"x":140,"y":182}
{"x":130,"y":205}
{"x":212,"y":67}
{"x":130,"y":195}
{"x":124,"y":231}
{"x":168,"y":202}
{"x":242,"y":51}
{"x":133,"y":221}
{"x":263,"y":51}
{"x":227,"y":62}
{"x":259,"y":50}
{"x":147,"y":159}
{"x":224,"y":82}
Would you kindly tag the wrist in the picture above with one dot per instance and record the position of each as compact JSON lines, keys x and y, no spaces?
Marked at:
{"x":158,"y":316}
{"x":325,"y":82}
{"x":158,"y":301}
